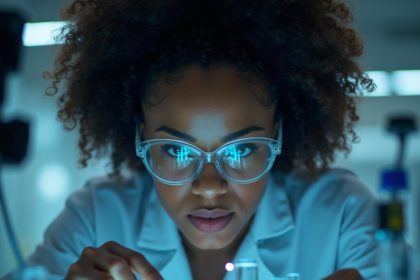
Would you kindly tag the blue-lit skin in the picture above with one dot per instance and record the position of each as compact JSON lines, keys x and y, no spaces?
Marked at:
{"x":207,"y":106}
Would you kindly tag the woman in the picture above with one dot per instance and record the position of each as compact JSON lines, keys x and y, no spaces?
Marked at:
{"x":228,"y":115}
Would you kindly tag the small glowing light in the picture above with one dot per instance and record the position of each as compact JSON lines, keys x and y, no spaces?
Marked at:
{"x":381,"y":79}
{"x":229,"y":266}
{"x":53,"y":181}
{"x":41,"y":33}
{"x":406,"y":82}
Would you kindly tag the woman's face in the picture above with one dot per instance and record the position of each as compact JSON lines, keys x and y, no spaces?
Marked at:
{"x":202,"y":108}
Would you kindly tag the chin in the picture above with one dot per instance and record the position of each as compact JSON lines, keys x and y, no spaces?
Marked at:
{"x":209,"y":241}
{"x":206,"y":242}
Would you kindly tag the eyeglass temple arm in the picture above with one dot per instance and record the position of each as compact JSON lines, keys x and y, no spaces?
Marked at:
{"x":280,"y":131}
{"x":279,"y":136}
{"x":137,"y":141}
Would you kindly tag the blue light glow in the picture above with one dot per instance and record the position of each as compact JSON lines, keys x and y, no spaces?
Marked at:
{"x":381,"y":79}
{"x":400,"y":82}
{"x":53,"y":181}
{"x":183,"y":157}
{"x":41,"y":33}
{"x":406,"y":82}
{"x":233,"y":157}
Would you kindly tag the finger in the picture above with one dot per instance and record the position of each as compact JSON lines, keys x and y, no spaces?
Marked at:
{"x":136,"y":260}
{"x":107,"y":262}
{"x":79,"y":272}
{"x":345,"y":274}
{"x":148,"y":272}
{"x":115,"y":265}
{"x":122,"y":272}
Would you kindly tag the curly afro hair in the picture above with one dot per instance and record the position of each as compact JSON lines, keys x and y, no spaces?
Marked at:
{"x":305,"y":51}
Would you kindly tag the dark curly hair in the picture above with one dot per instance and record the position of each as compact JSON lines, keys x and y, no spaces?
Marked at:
{"x":304,"y":50}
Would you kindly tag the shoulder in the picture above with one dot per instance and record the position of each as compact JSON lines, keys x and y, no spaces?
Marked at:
{"x":93,"y":215}
{"x":335,"y":183}
{"x":113,"y":206}
{"x":333,"y":191}
{"x":107,"y":187}
{"x":109,"y":195}
{"x":334,"y":214}
{"x":339,"y":183}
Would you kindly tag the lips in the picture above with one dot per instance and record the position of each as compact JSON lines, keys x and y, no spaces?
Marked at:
{"x":210,"y":220}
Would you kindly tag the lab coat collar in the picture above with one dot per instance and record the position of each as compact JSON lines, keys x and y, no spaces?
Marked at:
{"x":158,"y":231}
{"x":159,"y":240}
{"x":273,"y":216}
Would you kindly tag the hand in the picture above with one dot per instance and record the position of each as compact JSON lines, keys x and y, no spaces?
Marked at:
{"x":345,"y":274}
{"x":111,"y":261}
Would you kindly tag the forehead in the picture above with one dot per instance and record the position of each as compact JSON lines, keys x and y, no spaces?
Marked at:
{"x":220,"y":97}
{"x":194,"y":83}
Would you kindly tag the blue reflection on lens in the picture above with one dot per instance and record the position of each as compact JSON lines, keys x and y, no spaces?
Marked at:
{"x":183,"y":156}
{"x":234,"y":157}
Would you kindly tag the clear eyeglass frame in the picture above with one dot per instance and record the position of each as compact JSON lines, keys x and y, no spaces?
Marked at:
{"x":209,"y":157}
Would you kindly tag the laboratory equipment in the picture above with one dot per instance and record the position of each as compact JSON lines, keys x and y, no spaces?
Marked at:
{"x":14,"y":134}
{"x":394,"y":254}
{"x":246,"y":269}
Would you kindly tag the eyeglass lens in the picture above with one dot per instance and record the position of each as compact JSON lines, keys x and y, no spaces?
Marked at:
{"x":177,"y":162}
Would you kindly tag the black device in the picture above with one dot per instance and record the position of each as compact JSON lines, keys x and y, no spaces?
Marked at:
{"x":401,"y":126}
{"x":14,"y":135}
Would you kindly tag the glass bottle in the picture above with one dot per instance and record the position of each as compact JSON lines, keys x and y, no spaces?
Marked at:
{"x":246,"y":269}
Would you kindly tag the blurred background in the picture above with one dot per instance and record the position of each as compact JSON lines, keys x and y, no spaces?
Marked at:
{"x":37,"y":189}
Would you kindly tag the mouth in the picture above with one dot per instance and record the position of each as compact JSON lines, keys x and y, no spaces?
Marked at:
{"x":210,"y":220}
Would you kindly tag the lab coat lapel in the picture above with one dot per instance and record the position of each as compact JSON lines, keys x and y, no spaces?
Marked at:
{"x":273,"y":216}
{"x":160,"y":243}
{"x":270,"y":237}
{"x":177,"y":267}
{"x":273,"y":228}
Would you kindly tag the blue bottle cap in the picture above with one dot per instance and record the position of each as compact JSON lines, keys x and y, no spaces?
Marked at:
{"x":394,"y":180}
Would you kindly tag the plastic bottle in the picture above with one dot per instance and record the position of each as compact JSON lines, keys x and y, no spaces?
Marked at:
{"x":394,"y":254}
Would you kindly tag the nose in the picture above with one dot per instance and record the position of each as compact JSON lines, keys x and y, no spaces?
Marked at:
{"x":209,"y":184}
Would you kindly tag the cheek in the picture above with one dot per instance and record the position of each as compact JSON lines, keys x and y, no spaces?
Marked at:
{"x":171,"y":197}
{"x":244,"y":199}
{"x":249,"y":196}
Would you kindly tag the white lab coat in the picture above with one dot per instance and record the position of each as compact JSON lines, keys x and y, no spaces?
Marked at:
{"x":313,"y":229}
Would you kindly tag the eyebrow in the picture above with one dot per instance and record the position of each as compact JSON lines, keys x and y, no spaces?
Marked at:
{"x":229,"y":137}
{"x":177,"y":133}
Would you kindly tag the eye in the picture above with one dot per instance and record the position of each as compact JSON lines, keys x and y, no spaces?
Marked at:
{"x":177,"y":151}
{"x":241,"y":150}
